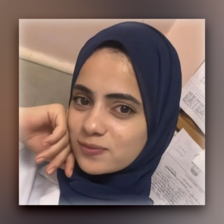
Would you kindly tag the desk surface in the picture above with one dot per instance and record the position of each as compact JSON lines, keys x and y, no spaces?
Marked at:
{"x":184,"y":121}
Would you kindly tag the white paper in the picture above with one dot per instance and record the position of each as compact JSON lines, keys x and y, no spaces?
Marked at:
{"x":199,"y":161}
{"x":177,"y":180}
{"x":193,"y":97}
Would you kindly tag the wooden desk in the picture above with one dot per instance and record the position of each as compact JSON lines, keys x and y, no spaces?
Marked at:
{"x":184,"y":121}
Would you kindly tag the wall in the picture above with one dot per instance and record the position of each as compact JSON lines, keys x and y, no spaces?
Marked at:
{"x":188,"y":37}
{"x":56,"y":43}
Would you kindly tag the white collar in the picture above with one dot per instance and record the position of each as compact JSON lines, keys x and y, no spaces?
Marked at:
{"x":51,"y":198}
{"x":52,"y":178}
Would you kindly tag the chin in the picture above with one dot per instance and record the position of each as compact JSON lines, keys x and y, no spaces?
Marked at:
{"x":93,"y":168}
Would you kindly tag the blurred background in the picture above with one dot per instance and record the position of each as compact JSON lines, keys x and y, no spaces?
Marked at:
{"x":48,"y":50}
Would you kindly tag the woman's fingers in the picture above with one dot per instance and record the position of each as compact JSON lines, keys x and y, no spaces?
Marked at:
{"x":56,"y":146}
{"x":69,"y":165}
{"x":62,"y":166}
{"x":53,"y":150}
{"x":58,"y":133}
{"x":58,"y":160}
{"x":57,"y":116}
{"x":64,"y":159}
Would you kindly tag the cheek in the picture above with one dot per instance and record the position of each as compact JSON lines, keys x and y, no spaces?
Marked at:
{"x":74,"y":124}
{"x":130,"y":138}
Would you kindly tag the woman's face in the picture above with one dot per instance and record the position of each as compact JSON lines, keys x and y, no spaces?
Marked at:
{"x":106,"y":118}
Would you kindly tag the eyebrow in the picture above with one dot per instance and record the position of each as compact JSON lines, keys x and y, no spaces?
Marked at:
{"x":121,"y":96}
{"x":84,"y":89}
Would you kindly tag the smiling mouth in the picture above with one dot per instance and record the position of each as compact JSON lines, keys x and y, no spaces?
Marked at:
{"x":91,"y":149}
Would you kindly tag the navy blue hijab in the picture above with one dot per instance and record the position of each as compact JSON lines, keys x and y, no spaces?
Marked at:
{"x":158,"y":73}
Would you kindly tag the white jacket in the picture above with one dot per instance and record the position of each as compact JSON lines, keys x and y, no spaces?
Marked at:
{"x":36,"y":187}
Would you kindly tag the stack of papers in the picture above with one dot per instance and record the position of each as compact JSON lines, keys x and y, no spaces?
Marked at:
{"x":180,"y":176}
{"x":193,"y":97}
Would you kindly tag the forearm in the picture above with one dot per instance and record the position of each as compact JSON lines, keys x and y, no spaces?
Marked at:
{"x":26,"y":122}
{"x":21,"y":122}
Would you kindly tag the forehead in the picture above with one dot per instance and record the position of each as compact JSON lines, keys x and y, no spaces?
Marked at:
{"x":108,"y":71}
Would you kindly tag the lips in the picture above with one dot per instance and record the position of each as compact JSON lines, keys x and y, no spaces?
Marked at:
{"x":91,"y":149}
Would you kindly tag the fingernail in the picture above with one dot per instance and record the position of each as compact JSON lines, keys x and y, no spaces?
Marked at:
{"x":39,"y":160}
{"x":50,"y":171}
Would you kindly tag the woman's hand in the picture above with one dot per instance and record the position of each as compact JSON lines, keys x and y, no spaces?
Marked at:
{"x":43,"y":129}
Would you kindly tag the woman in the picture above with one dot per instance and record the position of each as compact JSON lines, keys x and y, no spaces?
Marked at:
{"x":123,"y":110}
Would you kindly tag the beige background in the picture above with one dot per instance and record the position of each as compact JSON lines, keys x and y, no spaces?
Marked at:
{"x":55,"y":44}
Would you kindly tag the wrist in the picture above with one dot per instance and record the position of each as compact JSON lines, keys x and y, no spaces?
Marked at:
{"x":21,"y":123}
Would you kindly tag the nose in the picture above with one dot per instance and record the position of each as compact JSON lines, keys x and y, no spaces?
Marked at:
{"x":94,"y":123}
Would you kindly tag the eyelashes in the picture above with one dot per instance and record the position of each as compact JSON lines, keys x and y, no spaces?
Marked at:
{"x":81,"y":101}
{"x":121,"y":109}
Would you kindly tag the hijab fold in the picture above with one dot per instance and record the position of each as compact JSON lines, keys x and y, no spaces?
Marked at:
{"x":157,"y":68}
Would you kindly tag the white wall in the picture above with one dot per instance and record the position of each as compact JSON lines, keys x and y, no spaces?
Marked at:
{"x":188,"y":37}
{"x":55,"y":43}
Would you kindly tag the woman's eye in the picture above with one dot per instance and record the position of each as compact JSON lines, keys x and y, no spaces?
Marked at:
{"x":124,"y":109}
{"x":81,"y":101}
